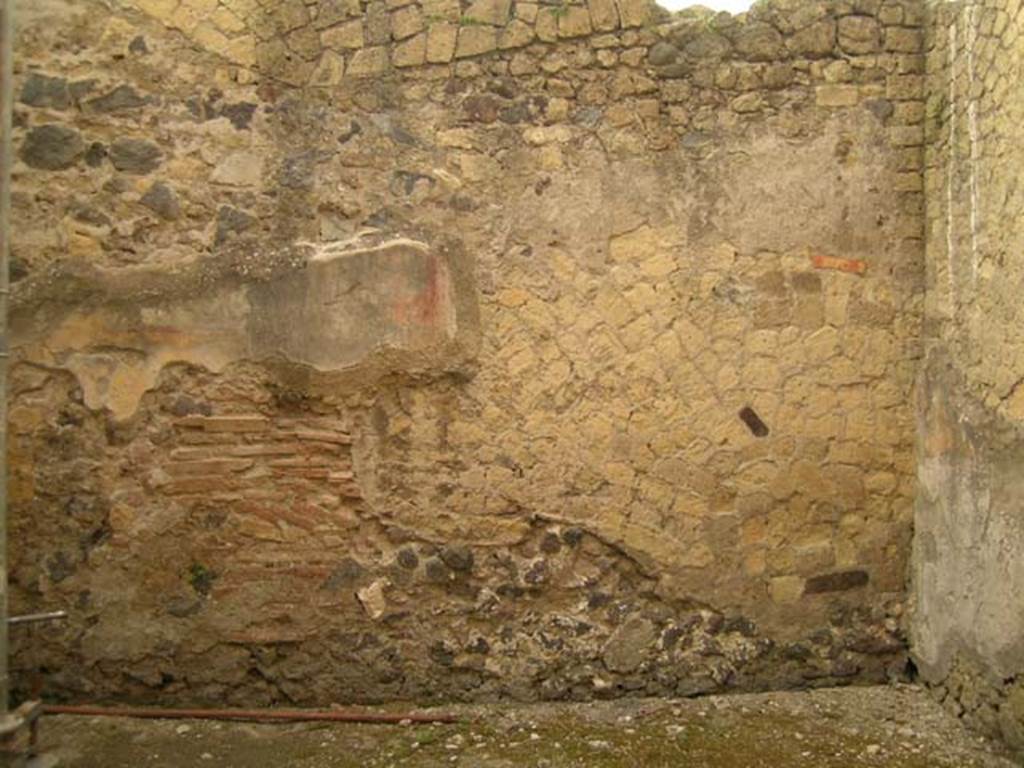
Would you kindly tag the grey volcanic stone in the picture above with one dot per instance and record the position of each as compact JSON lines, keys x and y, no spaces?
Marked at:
{"x":458,"y":557}
{"x":630,"y":645}
{"x":45,"y":91}
{"x":662,"y":53}
{"x":707,"y":45}
{"x":135,"y":156}
{"x":95,"y":155}
{"x":759,"y":42}
{"x":231,"y":221}
{"x":122,"y":98}
{"x":816,"y":40}
{"x":52,"y":147}
{"x":161,"y":199}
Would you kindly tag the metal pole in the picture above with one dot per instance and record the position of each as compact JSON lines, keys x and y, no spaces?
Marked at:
{"x":33,"y":618}
{"x":252,"y":715}
{"x":6,"y":150}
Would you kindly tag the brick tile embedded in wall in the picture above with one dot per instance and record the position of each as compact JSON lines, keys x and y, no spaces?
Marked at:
{"x":254,"y":454}
{"x":269,"y":449}
{"x":187,"y":486}
{"x":225,"y":423}
{"x":853,"y":266}
{"x":206,"y":466}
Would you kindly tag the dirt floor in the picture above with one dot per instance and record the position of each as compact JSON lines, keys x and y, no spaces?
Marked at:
{"x":898,"y":727}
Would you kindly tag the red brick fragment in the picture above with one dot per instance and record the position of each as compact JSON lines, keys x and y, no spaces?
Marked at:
{"x":279,"y":449}
{"x":301,"y":461}
{"x":195,"y":437}
{"x":323,"y":436}
{"x":200,"y":484}
{"x":853,"y":266}
{"x":241,"y":423}
{"x":310,"y":473}
{"x":350,"y":491}
{"x":207,"y":467}
{"x":192,"y":454}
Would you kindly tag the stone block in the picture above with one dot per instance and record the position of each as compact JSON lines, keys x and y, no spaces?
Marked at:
{"x":346,"y":36}
{"x":904,"y":39}
{"x":904,"y":87}
{"x":406,"y":22}
{"x":908,"y":182}
{"x":369,"y":61}
{"x":547,"y":25}
{"x":814,"y":41}
{"x":410,"y":53}
{"x":441,"y":39}
{"x":748,"y":102}
{"x":239,"y":169}
{"x":891,"y":14}
{"x":574,"y":21}
{"x":634,"y":13}
{"x":526,"y":12}
{"x":758,"y":41}
{"x":330,"y":70}
{"x":475,"y":40}
{"x":906,"y":135}
{"x":836,"y":95}
{"x":859,"y":35}
{"x":493,"y":12}
{"x":305,"y":42}
{"x":441,"y":10}
{"x":1011,"y":717}
{"x":377,"y":23}
{"x":604,"y":16}
{"x":516,"y":35}
{"x":786,"y":589}
{"x":638,"y":245}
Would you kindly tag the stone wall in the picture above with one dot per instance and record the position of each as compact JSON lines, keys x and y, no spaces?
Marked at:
{"x":968,"y":629}
{"x":389,"y":350}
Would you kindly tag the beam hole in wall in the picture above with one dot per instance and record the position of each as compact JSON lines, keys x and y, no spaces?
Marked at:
{"x":754,"y":423}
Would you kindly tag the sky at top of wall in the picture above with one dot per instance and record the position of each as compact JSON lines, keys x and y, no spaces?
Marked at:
{"x":732,"y":6}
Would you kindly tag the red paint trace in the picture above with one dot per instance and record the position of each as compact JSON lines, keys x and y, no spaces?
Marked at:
{"x":853,"y":266}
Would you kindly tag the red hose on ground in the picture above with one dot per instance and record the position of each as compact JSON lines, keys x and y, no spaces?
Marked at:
{"x":257,"y":715}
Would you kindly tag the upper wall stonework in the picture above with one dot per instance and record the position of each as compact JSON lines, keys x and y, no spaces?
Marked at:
{"x":394,"y":350}
{"x":324,"y":43}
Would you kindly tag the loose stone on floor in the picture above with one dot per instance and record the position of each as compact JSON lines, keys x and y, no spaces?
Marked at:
{"x":894,"y":727}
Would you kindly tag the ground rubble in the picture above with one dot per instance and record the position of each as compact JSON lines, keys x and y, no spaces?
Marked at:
{"x":898,"y":726}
